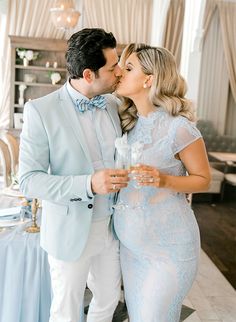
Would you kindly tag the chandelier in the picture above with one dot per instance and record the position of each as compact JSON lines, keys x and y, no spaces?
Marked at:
{"x":64,"y":15}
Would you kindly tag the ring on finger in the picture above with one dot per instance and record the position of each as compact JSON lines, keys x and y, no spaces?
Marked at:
{"x":151,"y":179}
{"x":113,"y":187}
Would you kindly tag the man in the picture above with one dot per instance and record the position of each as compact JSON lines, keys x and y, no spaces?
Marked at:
{"x":67,"y":160}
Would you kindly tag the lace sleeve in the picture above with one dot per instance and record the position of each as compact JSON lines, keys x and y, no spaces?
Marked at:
{"x":183,"y":132}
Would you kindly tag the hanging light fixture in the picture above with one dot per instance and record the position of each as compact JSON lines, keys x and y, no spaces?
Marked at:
{"x":64,"y":14}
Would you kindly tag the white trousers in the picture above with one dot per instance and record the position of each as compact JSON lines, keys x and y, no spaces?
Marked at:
{"x":99,"y":267}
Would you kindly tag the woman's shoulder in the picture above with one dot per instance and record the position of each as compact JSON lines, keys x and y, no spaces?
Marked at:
{"x":173,"y":120}
{"x":181,"y":121}
{"x":179,"y":124}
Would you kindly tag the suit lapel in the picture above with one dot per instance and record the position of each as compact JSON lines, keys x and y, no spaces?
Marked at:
{"x":71,"y":116}
{"x":112,"y":112}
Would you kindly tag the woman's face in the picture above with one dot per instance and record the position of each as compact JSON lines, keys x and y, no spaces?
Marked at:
{"x":132,"y":79}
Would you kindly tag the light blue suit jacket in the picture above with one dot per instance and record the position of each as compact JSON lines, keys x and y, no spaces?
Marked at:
{"x":54,"y":164}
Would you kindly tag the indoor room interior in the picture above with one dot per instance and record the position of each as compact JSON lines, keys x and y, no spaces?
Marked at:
{"x":202,"y":37}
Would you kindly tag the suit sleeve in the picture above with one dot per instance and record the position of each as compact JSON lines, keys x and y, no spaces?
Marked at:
{"x":34,"y":163}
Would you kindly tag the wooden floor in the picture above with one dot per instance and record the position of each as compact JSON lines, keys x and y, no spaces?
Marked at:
{"x":217,"y":222}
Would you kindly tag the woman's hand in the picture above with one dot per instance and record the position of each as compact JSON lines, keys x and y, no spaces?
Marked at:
{"x":146,"y":175}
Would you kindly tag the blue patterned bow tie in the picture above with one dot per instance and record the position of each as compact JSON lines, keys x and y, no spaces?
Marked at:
{"x":86,"y":104}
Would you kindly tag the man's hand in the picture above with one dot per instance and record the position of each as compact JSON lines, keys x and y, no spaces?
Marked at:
{"x":109,"y":180}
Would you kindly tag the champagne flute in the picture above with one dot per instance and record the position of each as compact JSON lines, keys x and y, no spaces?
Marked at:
{"x":137,"y":157}
{"x":122,"y":161}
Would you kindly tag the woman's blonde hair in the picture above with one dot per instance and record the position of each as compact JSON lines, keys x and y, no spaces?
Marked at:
{"x":168,"y":86}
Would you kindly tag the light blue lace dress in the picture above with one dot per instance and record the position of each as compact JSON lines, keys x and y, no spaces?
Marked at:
{"x":159,"y":242}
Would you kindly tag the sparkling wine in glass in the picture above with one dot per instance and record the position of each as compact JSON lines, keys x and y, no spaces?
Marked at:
{"x":137,"y":157}
{"x":122,"y":161}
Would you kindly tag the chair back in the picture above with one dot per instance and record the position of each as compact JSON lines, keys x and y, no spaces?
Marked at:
{"x":13,"y":146}
{"x":6,"y":163}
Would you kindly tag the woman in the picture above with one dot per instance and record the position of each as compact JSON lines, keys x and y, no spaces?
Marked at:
{"x":159,"y":239}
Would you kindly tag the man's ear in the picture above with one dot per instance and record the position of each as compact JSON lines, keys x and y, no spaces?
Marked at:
{"x":88,"y":75}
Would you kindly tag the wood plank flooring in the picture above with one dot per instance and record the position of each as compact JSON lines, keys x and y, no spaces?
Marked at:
{"x":217,"y":222}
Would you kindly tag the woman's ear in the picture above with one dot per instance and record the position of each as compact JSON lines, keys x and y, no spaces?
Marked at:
{"x":149,"y":80}
{"x":88,"y":75}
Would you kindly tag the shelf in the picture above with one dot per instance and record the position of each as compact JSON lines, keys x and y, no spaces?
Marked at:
{"x":42,"y":68}
{"x":19,"y":109}
{"x":40,"y":84}
{"x":50,"y":50}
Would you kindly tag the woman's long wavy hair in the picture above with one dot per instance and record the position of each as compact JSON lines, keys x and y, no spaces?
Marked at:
{"x":168,"y":86}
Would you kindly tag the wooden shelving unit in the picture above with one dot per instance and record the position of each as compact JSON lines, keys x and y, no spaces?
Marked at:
{"x":49,"y":50}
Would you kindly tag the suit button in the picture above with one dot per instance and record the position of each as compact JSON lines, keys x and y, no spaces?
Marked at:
{"x":90,"y":206}
{"x":79,"y":199}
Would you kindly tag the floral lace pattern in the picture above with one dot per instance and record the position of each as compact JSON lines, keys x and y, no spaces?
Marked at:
{"x":144,"y":128}
{"x":159,"y":242}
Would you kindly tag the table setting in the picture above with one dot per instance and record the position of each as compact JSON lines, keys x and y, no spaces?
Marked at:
{"x":12,"y":217}
{"x":25,"y":287}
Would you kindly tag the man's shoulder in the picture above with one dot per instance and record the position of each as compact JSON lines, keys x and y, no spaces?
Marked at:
{"x":43,"y":103}
{"x":46,"y":99}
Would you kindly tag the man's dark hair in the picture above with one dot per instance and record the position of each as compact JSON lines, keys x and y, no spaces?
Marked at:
{"x":85,"y":50}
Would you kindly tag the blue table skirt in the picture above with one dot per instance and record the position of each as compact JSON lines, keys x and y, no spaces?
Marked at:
{"x":25,"y":287}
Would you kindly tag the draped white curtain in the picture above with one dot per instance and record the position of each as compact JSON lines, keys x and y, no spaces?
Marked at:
{"x":211,"y":6}
{"x":214,"y":84}
{"x":24,"y":18}
{"x":230,"y":127}
{"x":227,"y":11}
{"x":173,"y":31}
{"x":2,"y":28}
{"x":160,"y":9}
{"x":128,"y":20}
{"x":217,"y":92}
{"x":191,"y":51}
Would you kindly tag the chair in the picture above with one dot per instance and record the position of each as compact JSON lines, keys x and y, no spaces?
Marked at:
{"x":13,"y":146}
{"x":6,"y":163}
{"x":229,"y":178}
{"x":216,"y":142}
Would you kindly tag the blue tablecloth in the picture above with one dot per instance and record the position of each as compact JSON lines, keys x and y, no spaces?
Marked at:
{"x":25,"y":288}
